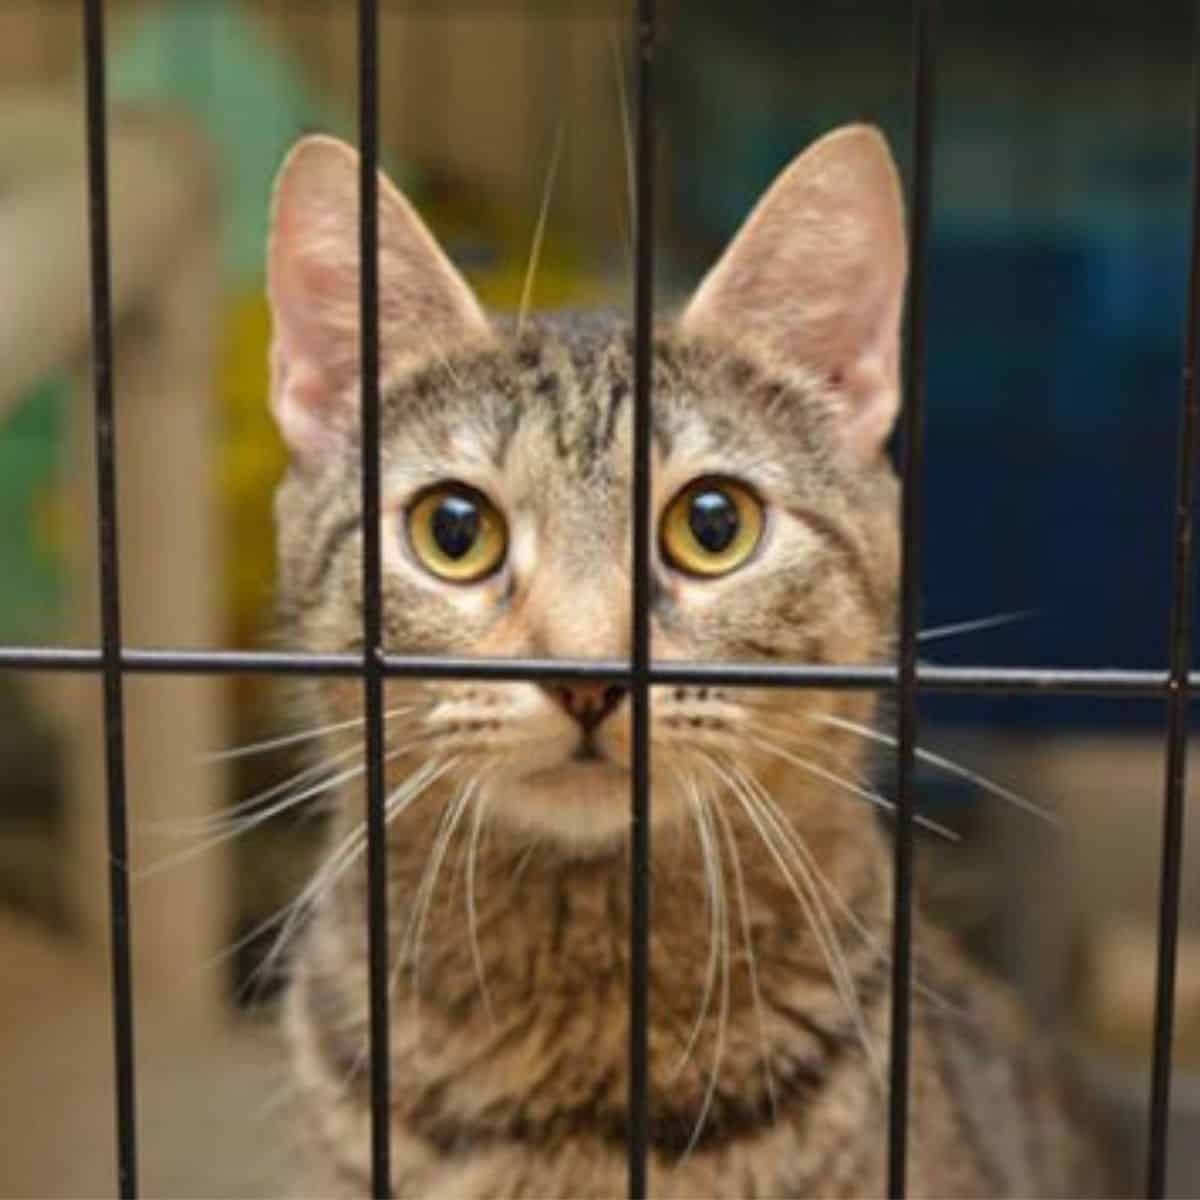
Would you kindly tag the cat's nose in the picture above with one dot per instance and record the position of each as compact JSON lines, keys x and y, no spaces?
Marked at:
{"x":588,"y":702}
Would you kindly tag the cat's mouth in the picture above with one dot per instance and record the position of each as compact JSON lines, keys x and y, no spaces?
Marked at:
{"x":588,"y":752}
{"x":586,"y":759}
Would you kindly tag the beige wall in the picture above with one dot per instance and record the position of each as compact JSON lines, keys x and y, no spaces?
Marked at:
{"x":475,"y":87}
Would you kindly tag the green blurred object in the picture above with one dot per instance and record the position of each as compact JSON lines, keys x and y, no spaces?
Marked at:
{"x":210,"y":61}
{"x":31,"y":563}
{"x":207,"y":60}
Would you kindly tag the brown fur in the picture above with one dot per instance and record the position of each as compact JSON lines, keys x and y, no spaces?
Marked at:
{"x":508,"y":872}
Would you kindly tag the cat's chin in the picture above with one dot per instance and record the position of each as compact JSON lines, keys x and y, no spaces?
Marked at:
{"x":584,"y":802}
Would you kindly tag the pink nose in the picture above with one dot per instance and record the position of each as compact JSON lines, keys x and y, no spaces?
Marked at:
{"x":588,"y":702}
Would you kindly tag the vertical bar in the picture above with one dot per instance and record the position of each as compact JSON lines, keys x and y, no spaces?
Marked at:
{"x":911,"y":510}
{"x":110,"y":602}
{"x":643,"y":317}
{"x":380,"y":1056}
{"x":1177,"y":687}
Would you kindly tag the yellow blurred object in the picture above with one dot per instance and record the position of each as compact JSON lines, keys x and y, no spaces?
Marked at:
{"x":252,"y":462}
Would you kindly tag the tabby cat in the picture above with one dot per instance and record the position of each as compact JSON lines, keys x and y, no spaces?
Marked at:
{"x":505,"y":482}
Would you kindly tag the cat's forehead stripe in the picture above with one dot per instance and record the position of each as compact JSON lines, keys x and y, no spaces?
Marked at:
{"x":569,"y":377}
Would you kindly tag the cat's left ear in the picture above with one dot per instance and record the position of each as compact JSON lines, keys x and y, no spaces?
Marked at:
{"x":425,"y":306}
{"x":816,"y":275}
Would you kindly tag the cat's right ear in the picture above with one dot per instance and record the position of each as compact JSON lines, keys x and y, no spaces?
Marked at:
{"x":425,"y":306}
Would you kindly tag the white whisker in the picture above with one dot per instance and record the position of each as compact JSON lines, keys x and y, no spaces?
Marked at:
{"x":705,"y":823}
{"x":334,"y":866}
{"x":813,"y":908}
{"x":796,"y":840}
{"x":397,"y":802}
{"x":944,"y":764}
{"x":472,"y":908}
{"x":626,"y":213}
{"x":751,"y":959}
{"x":713,"y":885}
{"x":236,"y":815}
{"x":539,"y":232}
{"x":245,"y":824}
{"x":347,"y":853}
{"x":410,"y":954}
{"x":872,"y":797}
{"x":959,"y":627}
{"x":295,"y":739}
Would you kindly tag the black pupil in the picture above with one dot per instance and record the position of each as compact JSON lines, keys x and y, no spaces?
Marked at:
{"x":456,"y":525}
{"x":713,"y":520}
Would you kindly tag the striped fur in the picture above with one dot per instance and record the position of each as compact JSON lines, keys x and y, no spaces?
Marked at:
{"x":508,"y":865}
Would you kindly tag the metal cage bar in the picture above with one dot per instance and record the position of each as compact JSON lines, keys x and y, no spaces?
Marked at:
{"x":639,"y":667}
{"x":379,"y":1036}
{"x":110,"y":601}
{"x":911,"y":515}
{"x":907,"y":678}
{"x":1013,"y":681}
{"x":1178,"y":688}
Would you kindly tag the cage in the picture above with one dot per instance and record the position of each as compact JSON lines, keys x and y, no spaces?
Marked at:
{"x":175,"y":667}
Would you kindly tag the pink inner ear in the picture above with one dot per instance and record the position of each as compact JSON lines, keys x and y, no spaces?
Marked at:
{"x":314,"y":352}
{"x":425,"y":307}
{"x":815,"y":277}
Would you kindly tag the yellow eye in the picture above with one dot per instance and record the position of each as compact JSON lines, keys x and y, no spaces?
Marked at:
{"x":457,"y":533}
{"x":711,"y":527}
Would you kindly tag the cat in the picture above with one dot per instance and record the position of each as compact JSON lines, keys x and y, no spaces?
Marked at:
{"x":505,"y":467}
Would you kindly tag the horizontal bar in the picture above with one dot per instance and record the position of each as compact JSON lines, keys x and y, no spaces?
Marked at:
{"x":1001,"y":680}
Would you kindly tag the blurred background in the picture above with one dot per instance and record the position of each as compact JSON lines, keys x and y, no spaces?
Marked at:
{"x":1058,"y":287}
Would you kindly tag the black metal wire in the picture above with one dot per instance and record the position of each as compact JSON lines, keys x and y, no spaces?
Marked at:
{"x":911,"y":516}
{"x":1013,"y":681}
{"x":372,"y":660}
{"x":639,"y":679}
{"x":1177,"y":690}
{"x":110,"y":602}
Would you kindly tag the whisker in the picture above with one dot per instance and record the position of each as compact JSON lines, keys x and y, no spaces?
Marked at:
{"x":814,"y":911}
{"x":519,"y":867}
{"x":712,"y":886}
{"x":346,"y":854}
{"x":283,"y":1094}
{"x":539,"y":232}
{"x":705,"y":822}
{"x":294,"y":739}
{"x":872,"y":797}
{"x":397,"y":802}
{"x":937,"y":632}
{"x":415,"y":933}
{"x":233,"y":816}
{"x":245,"y":824}
{"x":624,"y":222}
{"x":296,"y":910}
{"x":472,"y":909}
{"x":947,"y":765}
{"x":793,"y":836}
{"x":751,"y":959}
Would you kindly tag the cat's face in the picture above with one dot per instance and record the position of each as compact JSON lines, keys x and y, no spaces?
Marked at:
{"x":506,"y":464}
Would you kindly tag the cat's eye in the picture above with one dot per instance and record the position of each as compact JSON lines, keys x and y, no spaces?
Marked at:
{"x":457,"y":533}
{"x":711,"y":527}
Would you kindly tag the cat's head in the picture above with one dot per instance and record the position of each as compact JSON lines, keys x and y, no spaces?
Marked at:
{"x":505,"y":470}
